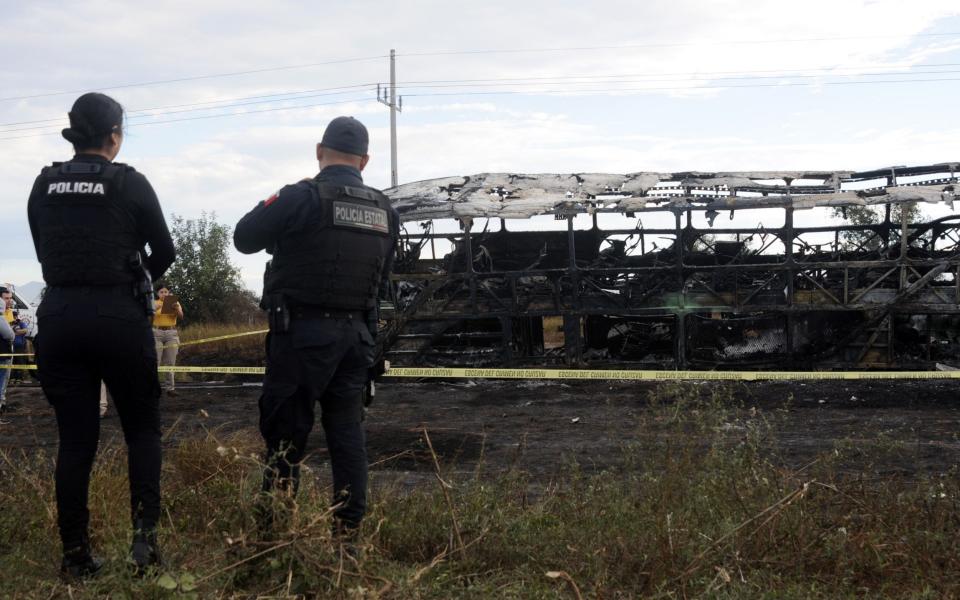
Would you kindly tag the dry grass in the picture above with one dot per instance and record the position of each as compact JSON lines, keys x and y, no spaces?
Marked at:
{"x":708,"y":514}
{"x":245,"y":351}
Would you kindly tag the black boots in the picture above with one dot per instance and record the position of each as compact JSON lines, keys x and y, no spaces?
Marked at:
{"x":144,"y":551}
{"x":79,"y":563}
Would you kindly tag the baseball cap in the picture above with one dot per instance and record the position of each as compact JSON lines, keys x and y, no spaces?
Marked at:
{"x":346,"y":134}
{"x":91,"y":116}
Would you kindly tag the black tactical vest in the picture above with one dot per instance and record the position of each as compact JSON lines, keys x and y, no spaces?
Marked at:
{"x":86,"y":233}
{"x":336,"y":260}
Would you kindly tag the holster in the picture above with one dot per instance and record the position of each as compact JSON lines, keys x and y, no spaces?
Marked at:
{"x":278,"y":313}
{"x":368,"y":392}
{"x":373,"y":373}
{"x":143,"y":288}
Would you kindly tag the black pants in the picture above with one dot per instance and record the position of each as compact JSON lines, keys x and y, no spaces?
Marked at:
{"x":88,"y":335}
{"x":323,"y":360}
{"x":21,"y":348}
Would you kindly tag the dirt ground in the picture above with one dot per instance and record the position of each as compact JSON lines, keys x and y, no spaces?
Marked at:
{"x":543,"y":427}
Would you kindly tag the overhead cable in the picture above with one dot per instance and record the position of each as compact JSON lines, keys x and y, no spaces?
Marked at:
{"x":495,"y":83}
{"x":203,"y":117}
{"x":482,"y":51}
{"x":504,"y":81}
{"x":675,"y":44}
{"x":687,"y":89}
{"x":196,"y":77}
{"x":153,"y":113}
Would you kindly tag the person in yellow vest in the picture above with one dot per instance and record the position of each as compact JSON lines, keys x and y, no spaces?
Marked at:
{"x":6,"y":346}
{"x":8,"y":303}
{"x":165,"y":334}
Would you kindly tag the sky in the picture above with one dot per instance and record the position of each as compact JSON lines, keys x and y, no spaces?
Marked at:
{"x":227,"y":100}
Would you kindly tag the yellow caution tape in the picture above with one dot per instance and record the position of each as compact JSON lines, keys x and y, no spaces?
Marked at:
{"x":456,"y":373}
{"x":605,"y":374}
{"x":217,"y":338}
{"x":189,"y":343}
{"x":234,"y":370}
{"x":166,"y":369}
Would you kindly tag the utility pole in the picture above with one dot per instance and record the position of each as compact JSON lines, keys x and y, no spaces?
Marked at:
{"x":395,"y":106}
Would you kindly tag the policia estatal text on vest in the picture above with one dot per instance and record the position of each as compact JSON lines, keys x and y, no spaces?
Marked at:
{"x":332,"y":239}
{"x":91,"y":219}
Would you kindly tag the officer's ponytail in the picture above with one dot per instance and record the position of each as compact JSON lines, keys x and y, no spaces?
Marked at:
{"x":93,"y":118}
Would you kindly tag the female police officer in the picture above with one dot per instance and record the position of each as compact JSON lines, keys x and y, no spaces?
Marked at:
{"x":90,"y":219}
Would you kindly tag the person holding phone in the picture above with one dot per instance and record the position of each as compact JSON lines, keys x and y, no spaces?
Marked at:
{"x":165,"y":333}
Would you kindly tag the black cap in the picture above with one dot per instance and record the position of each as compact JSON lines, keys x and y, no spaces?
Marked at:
{"x":346,"y":134}
{"x":93,"y":116}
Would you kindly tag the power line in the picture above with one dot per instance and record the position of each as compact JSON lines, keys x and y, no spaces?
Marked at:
{"x":495,"y":83}
{"x":203,"y":117}
{"x":676,"y":44}
{"x":197,"y":77}
{"x":131,"y":112}
{"x":607,"y":91}
{"x":146,"y":113}
{"x":696,"y":76}
{"x":478,"y":51}
{"x":346,"y":89}
{"x":828,"y":71}
{"x":250,"y":112}
{"x":687,"y":89}
{"x":502,"y":82}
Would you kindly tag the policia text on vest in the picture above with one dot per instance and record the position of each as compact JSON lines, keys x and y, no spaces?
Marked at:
{"x":352,"y":215}
{"x":76,"y":187}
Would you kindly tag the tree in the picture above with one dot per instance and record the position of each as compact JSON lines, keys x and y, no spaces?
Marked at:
{"x":207,"y":284}
{"x":873,"y":215}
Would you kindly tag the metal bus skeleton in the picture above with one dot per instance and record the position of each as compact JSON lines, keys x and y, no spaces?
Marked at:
{"x":820,"y":294}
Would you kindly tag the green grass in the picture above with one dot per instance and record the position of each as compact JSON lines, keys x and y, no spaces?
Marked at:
{"x":702,"y":508}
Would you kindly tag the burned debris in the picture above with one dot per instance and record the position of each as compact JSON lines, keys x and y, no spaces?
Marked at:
{"x":678,"y":270}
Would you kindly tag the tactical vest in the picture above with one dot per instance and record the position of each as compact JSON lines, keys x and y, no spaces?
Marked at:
{"x":336,"y":260}
{"x":86,"y":233}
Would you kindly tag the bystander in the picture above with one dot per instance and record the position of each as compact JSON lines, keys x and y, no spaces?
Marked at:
{"x":166,"y":336}
{"x":6,"y":349}
{"x":21,"y":348}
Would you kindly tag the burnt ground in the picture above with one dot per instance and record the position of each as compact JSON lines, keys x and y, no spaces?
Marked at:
{"x":544,"y":427}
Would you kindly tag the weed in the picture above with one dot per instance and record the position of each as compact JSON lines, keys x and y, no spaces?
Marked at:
{"x":700,"y":506}
{"x":247,"y":350}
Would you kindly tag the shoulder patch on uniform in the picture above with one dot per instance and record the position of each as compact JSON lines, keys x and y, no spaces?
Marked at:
{"x":271,"y":199}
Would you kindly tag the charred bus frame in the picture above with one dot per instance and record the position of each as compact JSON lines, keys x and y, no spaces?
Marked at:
{"x":880,"y":294}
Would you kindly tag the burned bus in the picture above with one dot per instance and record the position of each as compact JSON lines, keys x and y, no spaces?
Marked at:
{"x":803,"y":270}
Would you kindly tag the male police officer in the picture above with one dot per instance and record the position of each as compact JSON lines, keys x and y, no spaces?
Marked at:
{"x":332,"y":240}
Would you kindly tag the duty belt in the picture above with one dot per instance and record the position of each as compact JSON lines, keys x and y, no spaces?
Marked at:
{"x":120,"y":289}
{"x":306,"y":311}
{"x":165,"y":327}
